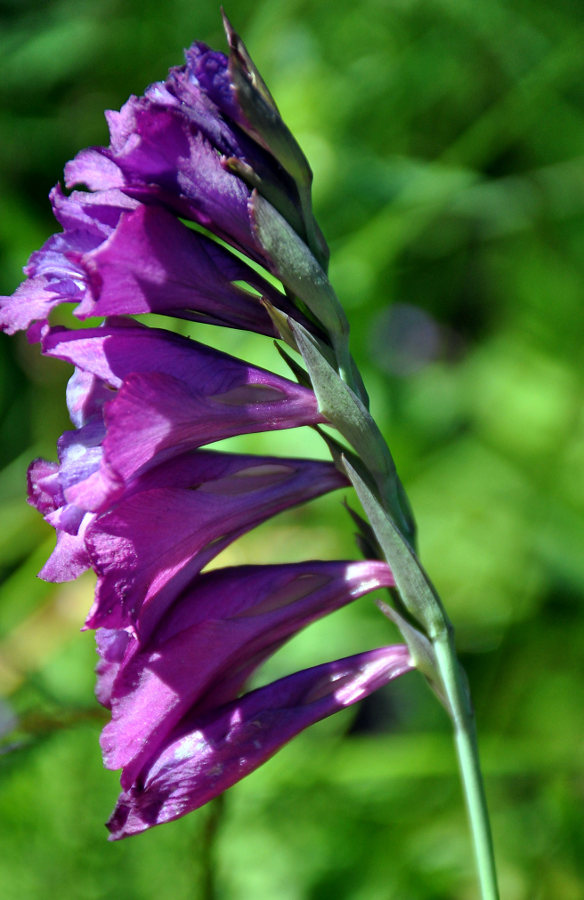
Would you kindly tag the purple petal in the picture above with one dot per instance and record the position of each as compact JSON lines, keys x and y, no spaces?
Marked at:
{"x":54,"y":277}
{"x":86,"y":396}
{"x":176,"y":394}
{"x":211,"y":639}
{"x":174,"y":519}
{"x":123,"y":347}
{"x":205,"y":92}
{"x":206,"y":78}
{"x":208,"y":755}
{"x":112,"y":645}
{"x":154,"y":417}
{"x":87,"y":482}
{"x":63,"y":491}
{"x":93,"y":168}
{"x":153,"y":263}
{"x":69,"y":559}
{"x":44,"y":488}
{"x":159,"y":156}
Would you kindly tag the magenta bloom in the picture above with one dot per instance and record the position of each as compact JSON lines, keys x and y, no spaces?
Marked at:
{"x":170,"y":394}
{"x":178,"y":517}
{"x":138,"y":494}
{"x":116,"y":256}
{"x":201,"y":652}
{"x":208,"y":754}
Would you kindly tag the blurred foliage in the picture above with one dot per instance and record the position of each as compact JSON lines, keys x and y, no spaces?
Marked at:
{"x":446,"y":138}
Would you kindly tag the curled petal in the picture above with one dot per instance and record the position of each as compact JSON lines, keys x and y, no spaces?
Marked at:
{"x":207,"y":755}
{"x":54,"y":275}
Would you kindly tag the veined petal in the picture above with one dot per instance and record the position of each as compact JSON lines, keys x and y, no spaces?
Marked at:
{"x":207,"y":755}
{"x":211,"y":639}
{"x":174,"y":519}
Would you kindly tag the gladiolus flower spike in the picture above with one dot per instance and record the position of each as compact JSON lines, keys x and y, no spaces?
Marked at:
{"x":201,"y":188}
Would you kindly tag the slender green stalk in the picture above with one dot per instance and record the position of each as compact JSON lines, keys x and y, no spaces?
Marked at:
{"x":208,"y":847}
{"x":430,"y":634}
{"x":342,"y":398}
{"x":454,"y":688}
{"x":463,"y":720}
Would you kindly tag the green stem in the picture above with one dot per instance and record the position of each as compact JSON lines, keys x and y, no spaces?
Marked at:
{"x":343,"y":400}
{"x":208,"y":847}
{"x":463,"y":721}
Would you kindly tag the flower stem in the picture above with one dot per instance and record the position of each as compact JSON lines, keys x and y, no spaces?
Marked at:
{"x":342,"y":399}
{"x":208,"y":847}
{"x":463,"y":720}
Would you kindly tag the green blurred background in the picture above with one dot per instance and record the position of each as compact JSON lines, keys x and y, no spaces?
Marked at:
{"x":447,"y":142}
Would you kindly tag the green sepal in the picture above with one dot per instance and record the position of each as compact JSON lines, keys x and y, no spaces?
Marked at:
{"x":296,"y":267}
{"x":421,"y":650}
{"x":416,"y":591}
{"x":281,"y":323}
{"x":270,"y":189}
{"x":262,"y":121}
{"x":341,"y":405}
{"x":337,"y":450}
{"x":346,"y":411}
{"x":365,"y":537}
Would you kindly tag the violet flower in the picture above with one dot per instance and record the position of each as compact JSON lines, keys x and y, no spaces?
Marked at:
{"x":135,"y":494}
{"x":216,"y":633}
{"x":208,"y":753}
{"x":117,"y":256}
{"x":171,"y":395}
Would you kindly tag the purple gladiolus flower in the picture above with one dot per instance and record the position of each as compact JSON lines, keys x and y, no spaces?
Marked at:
{"x":215,"y":634}
{"x":176,"y":518}
{"x":206,"y":755}
{"x":154,"y":263}
{"x":168,"y":395}
{"x":54,"y":275}
{"x":116,"y":256}
{"x":136,"y":495}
